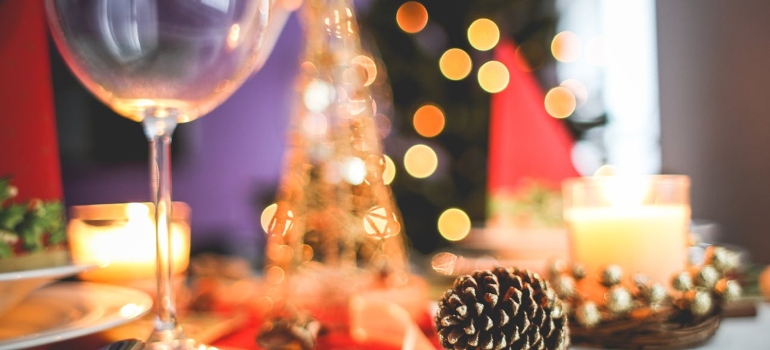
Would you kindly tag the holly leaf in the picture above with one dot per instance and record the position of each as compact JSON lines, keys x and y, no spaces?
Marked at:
{"x":12,"y":216}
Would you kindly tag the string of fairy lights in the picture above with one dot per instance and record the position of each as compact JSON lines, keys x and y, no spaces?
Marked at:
{"x":420,"y":161}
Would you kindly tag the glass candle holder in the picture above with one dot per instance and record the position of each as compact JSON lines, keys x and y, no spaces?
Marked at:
{"x":120,"y":238}
{"x":638,"y":223}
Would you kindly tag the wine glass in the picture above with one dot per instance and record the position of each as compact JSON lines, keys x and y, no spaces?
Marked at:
{"x":161,"y":62}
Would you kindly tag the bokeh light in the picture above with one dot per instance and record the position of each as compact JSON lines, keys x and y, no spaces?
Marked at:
{"x":560,"y":102}
{"x":274,"y":275}
{"x":318,"y":95}
{"x":454,"y":224}
{"x":444,"y":263}
{"x":578,"y":90}
{"x":369,"y":66}
{"x":274,"y":221}
{"x":493,"y":77}
{"x":428,"y":120}
{"x":412,"y":17}
{"x":483,"y":34}
{"x":380,"y":224}
{"x":420,"y":161}
{"x":390,"y":171}
{"x":353,"y":170}
{"x":267,"y":215}
{"x":566,"y":46}
{"x":455,"y":64}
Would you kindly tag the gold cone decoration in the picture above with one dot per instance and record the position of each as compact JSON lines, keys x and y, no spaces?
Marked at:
{"x":336,"y":222}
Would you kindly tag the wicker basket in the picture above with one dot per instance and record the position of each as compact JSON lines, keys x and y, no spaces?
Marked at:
{"x":656,"y":331}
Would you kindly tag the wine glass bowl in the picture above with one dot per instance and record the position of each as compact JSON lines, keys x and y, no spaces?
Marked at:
{"x":161,"y":62}
{"x":169,"y":57}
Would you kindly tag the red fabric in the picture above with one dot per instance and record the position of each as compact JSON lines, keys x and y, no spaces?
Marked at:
{"x":28,"y":145}
{"x":525,"y":143}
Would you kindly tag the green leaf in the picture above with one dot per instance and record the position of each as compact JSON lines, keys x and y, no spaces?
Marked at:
{"x":12,"y":216}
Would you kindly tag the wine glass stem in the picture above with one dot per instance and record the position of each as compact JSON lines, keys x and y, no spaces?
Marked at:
{"x":158,"y":132}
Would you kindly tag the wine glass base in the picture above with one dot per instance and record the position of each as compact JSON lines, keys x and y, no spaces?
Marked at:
{"x":173,"y":340}
{"x":178,"y":344}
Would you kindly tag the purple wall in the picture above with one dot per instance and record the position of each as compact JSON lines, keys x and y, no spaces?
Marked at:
{"x":234,"y":156}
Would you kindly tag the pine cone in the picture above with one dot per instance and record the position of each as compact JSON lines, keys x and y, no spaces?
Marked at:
{"x":505,"y":308}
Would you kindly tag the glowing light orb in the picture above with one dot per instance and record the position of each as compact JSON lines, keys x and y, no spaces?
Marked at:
{"x":454,"y":224}
{"x":483,"y":34}
{"x":428,"y":121}
{"x":455,"y":64}
{"x":420,"y":161}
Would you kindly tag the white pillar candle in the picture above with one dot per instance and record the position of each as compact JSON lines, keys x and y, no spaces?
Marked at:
{"x":640,"y":225}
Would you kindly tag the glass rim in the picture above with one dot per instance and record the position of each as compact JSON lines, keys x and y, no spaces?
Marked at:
{"x":116,"y":211}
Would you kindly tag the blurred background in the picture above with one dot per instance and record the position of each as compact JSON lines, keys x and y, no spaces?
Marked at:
{"x":676,"y":87}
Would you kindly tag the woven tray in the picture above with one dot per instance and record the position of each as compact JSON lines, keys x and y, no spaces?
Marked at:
{"x":653,"y":332}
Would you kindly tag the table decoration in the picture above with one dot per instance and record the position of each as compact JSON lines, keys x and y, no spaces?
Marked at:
{"x":334,"y":223}
{"x":639,"y":223}
{"x":119,"y":238}
{"x":32,"y":234}
{"x":647,"y":314}
{"x":505,"y":308}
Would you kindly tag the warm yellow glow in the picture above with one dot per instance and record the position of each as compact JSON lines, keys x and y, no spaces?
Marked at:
{"x":560,"y":102}
{"x":318,"y":95}
{"x":412,"y":17}
{"x":566,"y":46}
{"x":420,"y":161}
{"x":455,"y":64}
{"x":267,"y":215}
{"x":379,"y":223}
{"x":130,"y":310}
{"x":234,"y":37}
{"x":124,"y":248}
{"x":578,"y":90}
{"x":390,"y":171}
{"x":428,"y":121}
{"x":493,"y":77}
{"x":369,"y":66}
{"x":353,"y":170}
{"x":454,"y":224}
{"x":483,"y":34}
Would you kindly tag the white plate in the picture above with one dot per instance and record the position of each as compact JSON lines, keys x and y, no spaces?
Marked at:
{"x":15,"y":286}
{"x":67,"y":310}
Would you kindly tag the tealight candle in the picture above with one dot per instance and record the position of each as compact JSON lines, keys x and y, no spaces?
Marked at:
{"x":639,"y":223}
{"x":121,"y":239}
